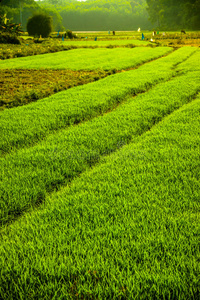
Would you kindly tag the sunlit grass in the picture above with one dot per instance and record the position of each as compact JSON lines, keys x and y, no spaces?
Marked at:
{"x":30,"y":173}
{"x":128,"y":228}
{"x":26,"y":125}
{"x":87,"y":59}
{"x":100,"y":43}
{"x":108,"y":208}
{"x":193,"y":63}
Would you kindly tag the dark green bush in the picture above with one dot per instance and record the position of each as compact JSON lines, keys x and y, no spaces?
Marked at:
{"x":7,"y":27}
{"x":70,"y":34}
{"x":39,"y":24}
{"x":8,"y":38}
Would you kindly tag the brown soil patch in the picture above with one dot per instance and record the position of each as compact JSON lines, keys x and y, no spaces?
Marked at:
{"x":19,"y":87}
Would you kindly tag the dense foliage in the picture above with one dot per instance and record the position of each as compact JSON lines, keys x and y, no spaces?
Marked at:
{"x":175,"y":14}
{"x":124,"y":14}
{"x":8,"y":27}
{"x":89,"y":15}
{"x":9,"y":31}
{"x":7,"y":38}
{"x":21,"y":10}
{"x":109,"y":14}
{"x":39,"y":24}
{"x":17,"y":10}
{"x":103,"y":15}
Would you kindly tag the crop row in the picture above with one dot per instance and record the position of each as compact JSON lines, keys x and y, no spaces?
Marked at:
{"x":29,"y":48}
{"x":23,"y":126}
{"x":128,"y":228}
{"x":28,"y":174}
{"x":192,"y":64}
{"x":87,"y":59}
{"x":34,"y":84}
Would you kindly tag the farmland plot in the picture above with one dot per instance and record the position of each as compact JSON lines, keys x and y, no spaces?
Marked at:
{"x":192,"y":64}
{"x":26,"y":125}
{"x":127,"y":228}
{"x":29,"y":173}
{"x":87,"y":59}
{"x":111,"y":205}
{"x":100,"y":43}
{"x":20,"y":85}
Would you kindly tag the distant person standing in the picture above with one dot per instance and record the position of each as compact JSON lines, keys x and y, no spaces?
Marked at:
{"x":113,"y":32}
{"x":142,"y":37}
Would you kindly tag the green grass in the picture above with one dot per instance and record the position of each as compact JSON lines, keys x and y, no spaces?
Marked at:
{"x":29,"y":48}
{"x":87,"y":59}
{"x":122,"y":39}
{"x":108,"y":208}
{"x":192,"y":64}
{"x":23,"y":126}
{"x":128,"y":229}
{"x":29,"y":174}
{"x":26,"y":37}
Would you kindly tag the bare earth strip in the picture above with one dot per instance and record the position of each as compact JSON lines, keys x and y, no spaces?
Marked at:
{"x":19,"y":87}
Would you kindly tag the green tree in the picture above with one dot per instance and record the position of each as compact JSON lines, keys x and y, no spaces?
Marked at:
{"x":15,"y":9}
{"x":105,"y":14}
{"x":39,"y":24}
{"x":16,"y":3}
{"x":174,"y":14}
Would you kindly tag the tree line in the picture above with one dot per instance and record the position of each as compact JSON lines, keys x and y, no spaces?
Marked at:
{"x":20,"y":10}
{"x":105,"y":15}
{"x":108,"y":14}
{"x":175,"y":14}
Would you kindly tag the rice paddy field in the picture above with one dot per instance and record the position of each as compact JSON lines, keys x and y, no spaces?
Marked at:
{"x":108,"y":43}
{"x":87,"y":59}
{"x":100,"y":178}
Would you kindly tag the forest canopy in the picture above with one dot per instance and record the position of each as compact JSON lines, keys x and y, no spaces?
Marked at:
{"x":108,"y":14}
{"x":102,"y":14}
{"x":175,"y":14}
{"x":20,"y":10}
